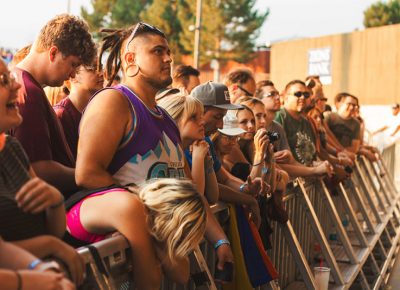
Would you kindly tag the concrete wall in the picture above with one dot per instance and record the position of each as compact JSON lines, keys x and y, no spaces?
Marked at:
{"x":365,"y":63}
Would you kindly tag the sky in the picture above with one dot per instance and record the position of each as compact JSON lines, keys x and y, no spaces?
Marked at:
{"x":288,"y":19}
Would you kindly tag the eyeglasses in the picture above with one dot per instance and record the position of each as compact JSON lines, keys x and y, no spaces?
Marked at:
{"x":135,"y":30}
{"x":272,"y":94}
{"x":230,"y":138}
{"x":246,"y":92}
{"x":6,"y":79}
{"x":306,"y":95}
{"x":351,"y":104}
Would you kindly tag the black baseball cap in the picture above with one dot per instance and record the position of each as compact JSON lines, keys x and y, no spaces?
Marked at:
{"x":214,"y":95}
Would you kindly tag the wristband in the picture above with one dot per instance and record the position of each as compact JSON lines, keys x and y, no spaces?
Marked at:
{"x":220,"y":243}
{"x":264,"y":170}
{"x":34,"y":263}
{"x":19,"y":280}
{"x":258,"y":163}
{"x":58,"y":204}
{"x":49,"y":265}
{"x":241,"y":188}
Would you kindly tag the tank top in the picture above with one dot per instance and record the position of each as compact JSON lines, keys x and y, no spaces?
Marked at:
{"x":151,"y":149}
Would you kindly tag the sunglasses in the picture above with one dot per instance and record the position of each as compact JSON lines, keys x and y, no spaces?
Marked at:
{"x":272,"y":94}
{"x":306,"y":95}
{"x":246,"y":92}
{"x":6,"y":79}
{"x":144,"y":26}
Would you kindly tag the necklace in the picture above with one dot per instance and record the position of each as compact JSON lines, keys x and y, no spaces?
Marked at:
{"x":156,"y":113}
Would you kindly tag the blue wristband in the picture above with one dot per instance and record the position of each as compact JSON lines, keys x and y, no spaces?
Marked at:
{"x":241,"y":188}
{"x":220,"y":243}
{"x":34,"y":263}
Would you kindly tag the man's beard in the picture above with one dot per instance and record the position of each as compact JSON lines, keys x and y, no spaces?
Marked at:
{"x":158,"y":84}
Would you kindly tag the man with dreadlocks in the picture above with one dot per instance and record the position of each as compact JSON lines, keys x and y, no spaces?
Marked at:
{"x":139,"y":141}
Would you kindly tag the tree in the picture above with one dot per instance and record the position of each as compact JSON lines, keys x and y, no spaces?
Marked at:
{"x":229,"y":27}
{"x":382,"y":13}
{"x":113,"y":13}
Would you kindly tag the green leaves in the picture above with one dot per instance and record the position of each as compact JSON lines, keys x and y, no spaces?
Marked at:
{"x":229,"y":27}
{"x":382,"y":13}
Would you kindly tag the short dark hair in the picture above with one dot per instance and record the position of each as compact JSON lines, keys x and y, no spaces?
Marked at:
{"x":260,"y":85}
{"x":238,"y":76}
{"x":183,"y":72}
{"x":292,"y":83}
{"x":339,"y":97}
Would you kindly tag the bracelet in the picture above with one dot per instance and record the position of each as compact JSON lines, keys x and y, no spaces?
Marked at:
{"x":19,"y":280}
{"x":220,"y":243}
{"x":258,"y":163}
{"x":241,"y":188}
{"x":34,"y":263}
{"x":264,"y":170}
{"x":58,"y":204}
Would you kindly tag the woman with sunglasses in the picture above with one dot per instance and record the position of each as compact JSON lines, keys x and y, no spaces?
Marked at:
{"x":32,"y":212}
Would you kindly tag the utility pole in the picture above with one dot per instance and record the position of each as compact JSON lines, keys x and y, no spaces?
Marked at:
{"x":197,"y":34}
{"x":69,"y":6}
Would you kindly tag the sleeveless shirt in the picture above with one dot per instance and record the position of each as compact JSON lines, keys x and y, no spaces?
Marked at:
{"x":151,"y":149}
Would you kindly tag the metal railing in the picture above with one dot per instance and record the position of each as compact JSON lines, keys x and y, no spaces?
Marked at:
{"x":353,"y":230}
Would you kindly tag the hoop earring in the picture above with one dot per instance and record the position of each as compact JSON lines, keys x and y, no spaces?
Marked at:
{"x":136,"y":72}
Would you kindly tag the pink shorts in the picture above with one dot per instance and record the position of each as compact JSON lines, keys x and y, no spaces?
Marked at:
{"x":75,"y":226}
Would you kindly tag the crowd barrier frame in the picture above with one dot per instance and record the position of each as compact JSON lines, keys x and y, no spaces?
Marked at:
{"x":360,"y":252}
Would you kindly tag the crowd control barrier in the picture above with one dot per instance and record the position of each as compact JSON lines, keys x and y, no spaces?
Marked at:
{"x":353,"y":229}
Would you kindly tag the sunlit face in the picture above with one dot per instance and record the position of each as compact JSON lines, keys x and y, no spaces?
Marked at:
{"x":62,"y":68}
{"x":151,"y":53}
{"x":247,"y":122}
{"x":240,"y":90}
{"x":192,"y":127}
{"x":346,"y":107}
{"x":260,"y":116}
{"x":294,"y":103}
{"x":271,"y":99}
{"x":316,"y":116}
{"x":9,"y":114}
{"x":89,"y":79}
{"x":213,"y":118}
{"x":320,"y":104}
{"x":224,"y":144}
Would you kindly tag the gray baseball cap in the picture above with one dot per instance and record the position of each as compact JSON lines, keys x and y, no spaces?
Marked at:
{"x":214,"y":95}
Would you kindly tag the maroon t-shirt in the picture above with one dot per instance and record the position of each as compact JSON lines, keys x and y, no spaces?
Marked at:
{"x":40,"y":133}
{"x":69,"y":117}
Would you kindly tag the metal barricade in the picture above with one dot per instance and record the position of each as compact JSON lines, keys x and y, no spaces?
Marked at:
{"x":353,"y":230}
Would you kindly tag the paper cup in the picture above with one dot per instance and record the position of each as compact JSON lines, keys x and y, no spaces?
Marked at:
{"x":321,"y":275}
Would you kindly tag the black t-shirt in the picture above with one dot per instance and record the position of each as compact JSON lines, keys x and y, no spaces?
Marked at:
{"x":14,"y":172}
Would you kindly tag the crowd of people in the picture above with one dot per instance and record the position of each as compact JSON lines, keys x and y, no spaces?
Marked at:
{"x":133,"y":147}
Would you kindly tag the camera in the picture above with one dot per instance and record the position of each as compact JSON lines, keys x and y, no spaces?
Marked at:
{"x":273,"y":136}
{"x":348,"y":169}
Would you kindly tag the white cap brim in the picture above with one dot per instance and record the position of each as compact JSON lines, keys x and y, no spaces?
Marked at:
{"x":232,"y":131}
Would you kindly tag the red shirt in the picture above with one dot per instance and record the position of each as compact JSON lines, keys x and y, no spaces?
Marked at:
{"x":40,"y":133}
{"x":69,"y":117}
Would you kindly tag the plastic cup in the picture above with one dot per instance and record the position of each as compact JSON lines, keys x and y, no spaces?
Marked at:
{"x":321,"y":275}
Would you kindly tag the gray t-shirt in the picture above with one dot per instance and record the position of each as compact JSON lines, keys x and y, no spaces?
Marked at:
{"x":300,"y":137}
{"x":282,"y":143}
{"x":344,"y":130}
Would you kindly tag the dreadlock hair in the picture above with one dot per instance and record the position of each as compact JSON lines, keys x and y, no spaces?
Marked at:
{"x":113,"y":42}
